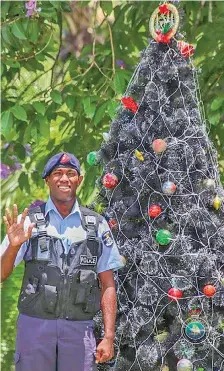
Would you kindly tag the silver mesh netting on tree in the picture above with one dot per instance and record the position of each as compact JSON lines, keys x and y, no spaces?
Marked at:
{"x":163,"y":200}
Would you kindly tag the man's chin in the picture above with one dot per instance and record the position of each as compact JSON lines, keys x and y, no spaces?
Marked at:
{"x":65,"y":198}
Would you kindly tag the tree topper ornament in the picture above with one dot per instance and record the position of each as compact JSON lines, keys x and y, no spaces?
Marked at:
{"x":164,"y":23}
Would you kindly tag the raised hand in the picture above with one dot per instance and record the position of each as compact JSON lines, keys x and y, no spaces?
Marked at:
{"x":15,"y":230}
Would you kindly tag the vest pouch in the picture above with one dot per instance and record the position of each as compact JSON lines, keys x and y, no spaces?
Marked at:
{"x":86,"y":294}
{"x":29,"y":295}
{"x":50,"y":298}
{"x":93,"y":301}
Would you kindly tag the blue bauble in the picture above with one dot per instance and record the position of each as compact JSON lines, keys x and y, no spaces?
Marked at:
{"x":195,"y":331}
{"x":169,"y":188}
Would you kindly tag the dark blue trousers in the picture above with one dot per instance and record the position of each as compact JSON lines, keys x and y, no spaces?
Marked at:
{"x":54,"y":345}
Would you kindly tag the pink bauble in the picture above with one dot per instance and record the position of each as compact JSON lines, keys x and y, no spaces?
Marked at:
{"x":159,"y":145}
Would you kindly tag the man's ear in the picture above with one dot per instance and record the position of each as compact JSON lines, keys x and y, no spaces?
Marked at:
{"x":80,"y":179}
{"x":46,"y":180}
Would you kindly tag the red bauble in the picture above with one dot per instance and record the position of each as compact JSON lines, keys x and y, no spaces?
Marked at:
{"x":161,"y":38}
{"x":130,"y":104}
{"x":110,"y":180}
{"x":175,"y":294}
{"x":112,"y":223}
{"x":154,"y":211}
{"x":163,"y":9}
{"x":186,"y":49}
{"x":209,"y":290}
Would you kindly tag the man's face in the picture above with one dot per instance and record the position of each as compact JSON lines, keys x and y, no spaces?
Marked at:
{"x":63,"y":183}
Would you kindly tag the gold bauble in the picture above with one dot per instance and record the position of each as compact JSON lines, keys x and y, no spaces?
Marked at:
{"x":139,"y":155}
{"x":217,"y":202}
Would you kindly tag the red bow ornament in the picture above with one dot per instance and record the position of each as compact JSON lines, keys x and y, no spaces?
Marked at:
{"x":186,"y":49}
{"x":130,"y":104}
{"x":164,"y":38}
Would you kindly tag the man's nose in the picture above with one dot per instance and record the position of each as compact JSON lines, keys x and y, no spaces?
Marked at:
{"x":64,"y":178}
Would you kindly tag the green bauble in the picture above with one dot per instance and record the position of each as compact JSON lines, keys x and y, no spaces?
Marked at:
{"x":92,"y":158}
{"x":163,"y":237}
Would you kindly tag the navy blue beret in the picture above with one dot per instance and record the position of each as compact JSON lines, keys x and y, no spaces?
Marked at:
{"x":62,"y":159}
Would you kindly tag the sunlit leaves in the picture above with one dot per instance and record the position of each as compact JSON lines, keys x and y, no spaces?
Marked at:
{"x":217,"y":103}
{"x":89,"y":106}
{"x":56,"y":96}
{"x":39,"y":107}
{"x":6,"y":123}
{"x":18,"y":30}
{"x":19,"y":112}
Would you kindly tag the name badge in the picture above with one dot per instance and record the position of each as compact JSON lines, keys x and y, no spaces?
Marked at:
{"x":84,"y":260}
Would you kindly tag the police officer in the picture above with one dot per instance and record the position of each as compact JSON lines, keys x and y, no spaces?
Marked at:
{"x":69,"y":256}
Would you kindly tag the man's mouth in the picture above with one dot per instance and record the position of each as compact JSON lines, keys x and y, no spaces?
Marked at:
{"x":64,"y":188}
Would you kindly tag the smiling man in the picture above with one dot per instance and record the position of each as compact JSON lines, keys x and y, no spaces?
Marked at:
{"x":70,"y":256}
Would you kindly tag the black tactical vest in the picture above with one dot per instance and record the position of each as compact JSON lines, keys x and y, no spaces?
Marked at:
{"x":59,"y":285}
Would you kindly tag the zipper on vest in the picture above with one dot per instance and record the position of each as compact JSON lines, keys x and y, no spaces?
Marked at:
{"x":59,"y":308}
{"x":65,"y":288}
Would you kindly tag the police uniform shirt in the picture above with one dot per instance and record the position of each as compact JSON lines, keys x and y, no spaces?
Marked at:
{"x":70,"y":230}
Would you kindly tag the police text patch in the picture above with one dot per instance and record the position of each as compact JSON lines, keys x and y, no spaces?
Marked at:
{"x":107,"y":239}
{"x":84,"y":260}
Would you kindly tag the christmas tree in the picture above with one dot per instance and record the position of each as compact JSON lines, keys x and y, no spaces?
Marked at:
{"x":163,"y":200}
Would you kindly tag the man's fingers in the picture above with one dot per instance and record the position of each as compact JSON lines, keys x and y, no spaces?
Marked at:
{"x":8,"y":216}
{"x":15,"y":213}
{"x":6,"y":221}
{"x":24,"y":214}
{"x":102,"y":356}
{"x":105,"y":357}
{"x":98,"y":356}
{"x":29,"y":231}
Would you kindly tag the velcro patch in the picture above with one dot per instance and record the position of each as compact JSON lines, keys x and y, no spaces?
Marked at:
{"x":84,"y":260}
{"x":107,"y":239}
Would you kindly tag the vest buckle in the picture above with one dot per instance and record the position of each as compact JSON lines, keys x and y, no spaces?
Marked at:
{"x":39,"y":217}
{"x":90,"y":220}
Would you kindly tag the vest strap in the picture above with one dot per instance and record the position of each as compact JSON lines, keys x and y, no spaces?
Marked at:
{"x":37,"y":216}
{"x":90,"y":221}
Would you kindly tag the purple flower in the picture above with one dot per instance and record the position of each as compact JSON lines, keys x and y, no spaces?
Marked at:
{"x":120,"y":64}
{"x":5,"y":171}
{"x":36,"y":203}
{"x":15,"y":166}
{"x":31,"y":7}
{"x":6,"y":145}
{"x":28,"y":149}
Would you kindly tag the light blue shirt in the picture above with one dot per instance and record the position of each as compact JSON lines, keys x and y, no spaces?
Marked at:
{"x":70,"y":231}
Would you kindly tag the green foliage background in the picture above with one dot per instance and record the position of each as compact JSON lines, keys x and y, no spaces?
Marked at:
{"x":66,"y":104}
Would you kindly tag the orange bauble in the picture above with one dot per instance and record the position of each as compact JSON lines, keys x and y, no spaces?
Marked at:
{"x":209,"y":290}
